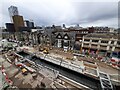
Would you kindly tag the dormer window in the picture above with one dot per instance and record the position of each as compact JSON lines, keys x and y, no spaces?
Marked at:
{"x":66,"y":37}
{"x":59,"y":36}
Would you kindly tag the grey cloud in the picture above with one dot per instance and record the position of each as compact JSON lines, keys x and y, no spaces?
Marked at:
{"x":84,"y":13}
{"x":91,"y":12}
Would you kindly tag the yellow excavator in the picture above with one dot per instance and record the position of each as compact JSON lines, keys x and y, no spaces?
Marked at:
{"x":24,"y":71}
{"x":45,"y":51}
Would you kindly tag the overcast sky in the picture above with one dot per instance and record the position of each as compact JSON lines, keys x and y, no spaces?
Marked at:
{"x":47,"y":12}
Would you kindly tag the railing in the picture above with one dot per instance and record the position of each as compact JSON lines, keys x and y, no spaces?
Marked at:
{"x":87,"y":46}
{"x":106,"y":44}
{"x":95,"y":43}
{"x":61,"y":62}
{"x":103,"y":48}
{"x":105,"y":81}
{"x":64,"y":64}
{"x":86,"y":42}
{"x":94,"y":47}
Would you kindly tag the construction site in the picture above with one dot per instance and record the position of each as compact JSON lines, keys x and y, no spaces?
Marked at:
{"x":43,"y":67}
{"x":23,"y":73}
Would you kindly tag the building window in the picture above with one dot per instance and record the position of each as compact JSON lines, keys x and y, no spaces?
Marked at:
{"x":66,"y":37}
{"x":87,"y":40}
{"x":118,"y":48}
{"x":94,"y":45}
{"x":59,"y":36}
{"x":104,"y":41}
{"x":110,"y":47}
{"x":118,"y":42}
{"x":66,"y":43}
{"x":112,"y":42}
{"x":86,"y":44}
{"x":103,"y":47}
{"x":94,"y":40}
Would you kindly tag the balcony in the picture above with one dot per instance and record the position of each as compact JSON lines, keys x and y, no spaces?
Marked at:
{"x":105,"y":44}
{"x":87,"y":46}
{"x":94,"y":47}
{"x":103,"y":48}
{"x":118,"y":46}
{"x":117,"y":49}
{"x":95,"y":43}
{"x":86,"y":42}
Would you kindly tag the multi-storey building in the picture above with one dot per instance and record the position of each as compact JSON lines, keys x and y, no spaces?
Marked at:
{"x":103,"y":30}
{"x":18,"y":22}
{"x":13,"y":10}
{"x":29,"y":24}
{"x":79,"y":33}
{"x":105,"y":43}
{"x":10,"y":27}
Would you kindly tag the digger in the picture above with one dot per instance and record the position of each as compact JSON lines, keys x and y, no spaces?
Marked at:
{"x":45,"y":51}
{"x":24,"y":71}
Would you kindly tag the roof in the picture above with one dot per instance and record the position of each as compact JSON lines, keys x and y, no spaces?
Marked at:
{"x":70,"y":34}
{"x":103,"y":35}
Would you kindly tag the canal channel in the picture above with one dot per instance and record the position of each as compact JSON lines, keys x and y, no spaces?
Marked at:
{"x":79,"y":78}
